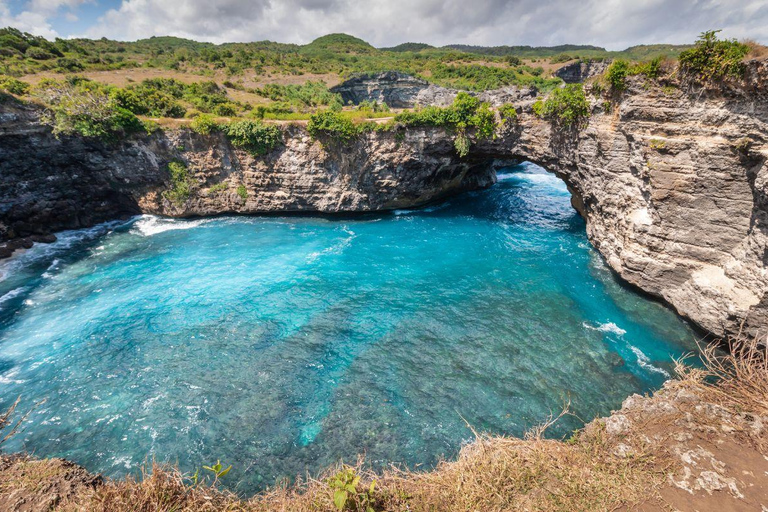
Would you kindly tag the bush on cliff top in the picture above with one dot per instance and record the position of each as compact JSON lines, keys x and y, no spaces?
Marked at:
{"x":85,"y":108}
{"x":467,"y":112}
{"x":713,"y":58}
{"x":253,"y":136}
{"x":565,"y":107}
{"x":333,"y":125}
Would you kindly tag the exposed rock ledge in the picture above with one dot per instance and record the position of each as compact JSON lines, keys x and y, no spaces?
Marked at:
{"x":673,"y":185}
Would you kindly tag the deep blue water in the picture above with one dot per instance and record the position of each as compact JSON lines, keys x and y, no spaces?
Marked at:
{"x":282,"y":344}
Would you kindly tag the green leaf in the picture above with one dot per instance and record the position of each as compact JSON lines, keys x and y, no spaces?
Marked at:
{"x":340,"y":499}
{"x":225,"y":471}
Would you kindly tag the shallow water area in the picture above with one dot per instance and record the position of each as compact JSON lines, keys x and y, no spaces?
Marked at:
{"x":283,"y":344}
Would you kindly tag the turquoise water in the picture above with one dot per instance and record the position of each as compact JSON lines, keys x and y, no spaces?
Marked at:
{"x":283,"y":344}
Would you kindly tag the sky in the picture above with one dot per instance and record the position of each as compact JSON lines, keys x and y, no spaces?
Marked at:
{"x":613,"y":24}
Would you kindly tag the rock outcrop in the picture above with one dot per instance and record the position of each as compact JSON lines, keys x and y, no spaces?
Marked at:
{"x":672,"y":181}
{"x":397,"y":90}
{"x":581,"y":71}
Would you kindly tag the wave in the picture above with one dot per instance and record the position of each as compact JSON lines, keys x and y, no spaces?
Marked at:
{"x":12,"y":294}
{"x":645,"y":362}
{"x":149,"y":225}
{"x":608,"y":327}
{"x":428,"y":209}
{"x":336,"y":248}
{"x":65,"y":240}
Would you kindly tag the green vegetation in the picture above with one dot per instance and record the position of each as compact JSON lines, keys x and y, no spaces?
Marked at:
{"x":86,"y":108}
{"x":13,"y":86}
{"x":564,"y":107}
{"x":333,"y":125}
{"x":346,"y":493}
{"x":466,"y":67}
{"x":617,"y":74}
{"x":714,"y":59}
{"x":466,"y":112}
{"x":204,"y":124}
{"x":242,"y":191}
{"x":307,"y":95}
{"x":508,"y":112}
{"x":181,"y":183}
{"x":255,"y":137}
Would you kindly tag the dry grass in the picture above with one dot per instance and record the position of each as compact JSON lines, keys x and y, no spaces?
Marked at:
{"x":756,"y":50}
{"x":595,"y":470}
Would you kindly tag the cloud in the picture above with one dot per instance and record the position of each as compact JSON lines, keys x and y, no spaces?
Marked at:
{"x":615,"y":24}
{"x":35,"y":16}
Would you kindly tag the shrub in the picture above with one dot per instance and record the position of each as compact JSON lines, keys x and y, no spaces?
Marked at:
{"x":253,"y":136}
{"x":333,"y":125}
{"x":713,"y":59}
{"x":181,"y":183}
{"x":204,"y":124}
{"x":567,"y":106}
{"x":86,"y":109}
{"x":14,"y":86}
{"x":508,"y":112}
{"x":225,"y":110}
{"x":242,"y":191}
{"x":617,"y":75}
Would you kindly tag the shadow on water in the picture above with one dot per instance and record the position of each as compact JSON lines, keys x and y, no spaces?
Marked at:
{"x":282,"y":344}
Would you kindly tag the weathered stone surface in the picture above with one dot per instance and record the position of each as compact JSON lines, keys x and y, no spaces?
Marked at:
{"x":578,"y":72}
{"x":397,"y":90}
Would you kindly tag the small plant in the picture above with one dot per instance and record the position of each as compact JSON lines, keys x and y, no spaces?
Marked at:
{"x":13,"y":86}
{"x":218,"y":187}
{"x":743,"y":145}
{"x":608,"y":107}
{"x":242,"y":191}
{"x":508,"y":112}
{"x":204,"y":124}
{"x":658,"y":145}
{"x":181,"y":183}
{"x":462,"y":144}
{"x":346,"y":495}
{"x":617,"y":75}
{"x":218,"y":469}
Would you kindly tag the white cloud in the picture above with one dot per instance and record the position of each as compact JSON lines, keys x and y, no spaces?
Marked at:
{"x":612,"y":23}
{"x":615,"y":24}
{"x":35,"y":17}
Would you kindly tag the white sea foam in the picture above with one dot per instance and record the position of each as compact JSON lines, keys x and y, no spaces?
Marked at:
{"x":149,"y":225}
{"x":609,"y":327}
{"x":336,"y":248}
{"x":645,"y":362}
{"x":12,"y":294}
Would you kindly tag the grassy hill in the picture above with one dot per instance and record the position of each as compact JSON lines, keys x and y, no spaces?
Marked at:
{"x":332,"y":57}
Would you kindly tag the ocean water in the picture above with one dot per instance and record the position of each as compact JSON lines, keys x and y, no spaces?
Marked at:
{"x":281,"y":345}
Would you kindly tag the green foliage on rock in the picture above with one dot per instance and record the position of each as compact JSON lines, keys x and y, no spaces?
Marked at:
{"x":254,"y":136}
{"x":13,"y":86}
{"x":714,"y":59}
{"x":83,"y":107}
{"x":332,"y":125}
{"x":508,"y":112}
{"x":242,"y":191}
{"x":567,"y":106}
{"x":204,"y":124}
{"x":181,"y":183}
{"x":617,"y":74}
{"x":466,"y":113}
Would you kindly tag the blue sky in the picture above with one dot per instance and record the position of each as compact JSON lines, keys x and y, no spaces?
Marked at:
{"x":614,"y":24}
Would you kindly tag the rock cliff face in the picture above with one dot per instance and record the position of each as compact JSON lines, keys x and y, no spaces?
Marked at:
{"x":673,"y":183}
{"x":581,"y":71}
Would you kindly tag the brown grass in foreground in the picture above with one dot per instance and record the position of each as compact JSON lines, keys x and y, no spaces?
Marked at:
{"x":600,"y":468}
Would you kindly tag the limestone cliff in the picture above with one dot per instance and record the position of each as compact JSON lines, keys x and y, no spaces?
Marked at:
{"x":671,"y":179}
